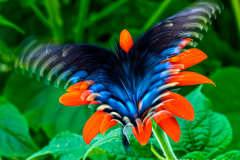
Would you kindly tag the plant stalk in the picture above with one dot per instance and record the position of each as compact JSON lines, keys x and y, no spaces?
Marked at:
{"x":153,"y":19}
{"x":108,"y":10}
{"x":55,"y":19}
{"x":79,"y":28}
{"x":5,"y":52}
{"x":163,"y":141}
{"x":156,"y":154}
{"x":236,"y":10}
{"x":40,"y":15}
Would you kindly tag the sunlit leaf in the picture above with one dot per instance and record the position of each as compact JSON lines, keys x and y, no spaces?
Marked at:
{"x":65,"y":146}
{"x":195,"y":155}
{"x":114,"y":148}
{"x":233,"y":155}
{"x":114,"y":135}
{"x":68,"y":145}
{"x":210,"y":132}
{"x":225,"y":98}
{"x":15,"y":140}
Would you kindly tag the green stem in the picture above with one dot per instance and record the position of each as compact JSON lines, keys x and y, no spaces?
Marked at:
{"x":153,"y":19}
{"x":156,"y":154}
{"x":236,"y":9}
{"x":5,"y":52}
{"x":163,"y":141}
{"x":40,"y":15}
{"x":94,"y":17}
{"x":55,"y":20}
{"x":79,"y":28}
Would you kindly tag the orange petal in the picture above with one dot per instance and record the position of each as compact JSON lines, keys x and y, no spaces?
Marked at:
{"x":169,"y":124}
{"x":107,"y":123}
{"x":95,"y":102}
{"x":86,"y":84}
{"x":83,"y":85}
{"x":73,"y":99}
{"x":144,"y":135}
{"x":177,"y":105}
{"x":159,"y":109}
{"x":92,"y":127}
{"x":126,"y":41}
{"x":184,"y":42}
{"x":188,"y":78}
{"x":139,"y":125}
{"x":74,"y":87}
{"x":173,"y":59}
{"x":137,"y":135}
{"x":189,"y":57}
{"x":148,"y":129}
{"x":85,"y":95}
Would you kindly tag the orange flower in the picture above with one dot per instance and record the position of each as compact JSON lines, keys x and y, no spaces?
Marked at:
{"x":158,"y":102}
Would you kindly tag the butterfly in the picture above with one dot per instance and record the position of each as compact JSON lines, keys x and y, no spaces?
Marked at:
{"x":132,"y":84}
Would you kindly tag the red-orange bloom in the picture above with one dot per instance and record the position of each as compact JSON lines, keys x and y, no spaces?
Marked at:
{"x":157,"y":103}
{"x":132,"y":83}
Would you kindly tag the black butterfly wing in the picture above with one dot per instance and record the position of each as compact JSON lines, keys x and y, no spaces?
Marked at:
{"x":162,"y":41}
{"x":61,"y":66}
{"x":190,"y":23}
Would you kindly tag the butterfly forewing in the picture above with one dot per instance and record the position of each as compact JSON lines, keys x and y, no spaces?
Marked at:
{"x":190,"y":23}
{"x":60,"y":66}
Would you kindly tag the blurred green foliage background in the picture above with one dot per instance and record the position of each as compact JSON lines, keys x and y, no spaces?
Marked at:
{"x":98,"y":22}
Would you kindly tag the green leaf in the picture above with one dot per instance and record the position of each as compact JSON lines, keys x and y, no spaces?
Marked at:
{"x":144,"y":151}
{"x":68,"y":145}
{"x":225,"y":98}
{"x":112,"y":145}
{"x":64,"y":146}
{"x":5,"y":22}
{"x":114,"y":135}
{"x":233,"y":155}
{"x":40,"y":105}
{"x":194,"y":155}
{"x":210,"y":132}
{"x":15,"y":140}
{"x":115,"y":150}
